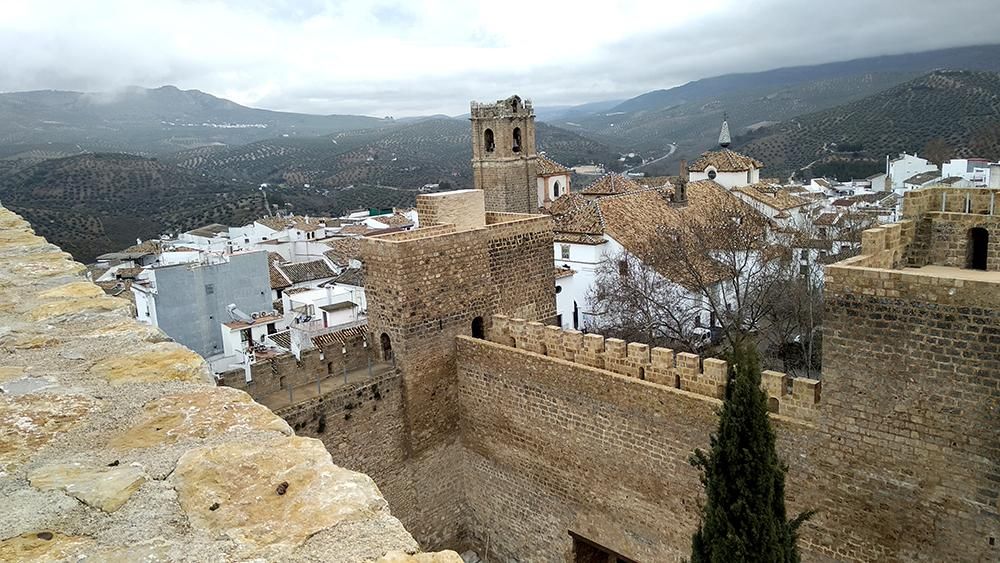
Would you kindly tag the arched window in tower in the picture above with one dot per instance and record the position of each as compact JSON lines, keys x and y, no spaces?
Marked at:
{"x":978,"y":242}
{"x":556,"y":189}
{"x":488,"y":141}
{"x":513,"y":104}
{"x":517,"y":140}
{"x":386,"y":347}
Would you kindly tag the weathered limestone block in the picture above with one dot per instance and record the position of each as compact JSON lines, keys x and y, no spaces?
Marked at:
{"x":43,"y":546}
{"x":107,"y":488}
{"x":446,"y":556}
{"x":28,"y":422}
{"x":162,"y":361}
{"x":274,"y":494}
{"x":196,"y":415}
{"x":661,"y":369}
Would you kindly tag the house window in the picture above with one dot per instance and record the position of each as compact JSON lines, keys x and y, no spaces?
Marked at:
{"x":555,"y":189}
{"x":564,"y":251}
{"x":209,"y":288}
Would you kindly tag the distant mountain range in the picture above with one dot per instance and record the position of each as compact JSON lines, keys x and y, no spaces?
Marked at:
{"x":204,"y":157}
{"x":960,"y":107}
{"x":153,"y":121}
{"x":690,"y":115}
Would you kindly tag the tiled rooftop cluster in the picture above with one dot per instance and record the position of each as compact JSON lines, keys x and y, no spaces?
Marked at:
{"x":115,"y":444}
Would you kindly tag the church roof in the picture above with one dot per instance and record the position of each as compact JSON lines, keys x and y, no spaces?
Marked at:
{"x":775,"y":197}
{"x":612,"y":183}
{"x":724,"y":161}
{"x":549,"y":167}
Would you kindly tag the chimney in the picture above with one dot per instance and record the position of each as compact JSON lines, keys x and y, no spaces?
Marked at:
{"x":680,"y":190}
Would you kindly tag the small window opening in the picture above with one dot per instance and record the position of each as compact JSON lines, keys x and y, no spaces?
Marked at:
{"x":564,"y":251}
{"x":488,"y":141}
{"x":711,"y":173}
{"x":517,"y":140}
{"x":555,"y":189}
{"x":772,"y":405}
{"x":386,"y":346}
{"x":477,"y":328}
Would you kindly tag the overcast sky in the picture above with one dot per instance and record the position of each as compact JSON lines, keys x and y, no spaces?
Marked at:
{"x":410,"y":57}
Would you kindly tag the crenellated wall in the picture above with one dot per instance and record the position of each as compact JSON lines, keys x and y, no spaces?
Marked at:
{"x":795,"y":397}
{"x":115,"y":444}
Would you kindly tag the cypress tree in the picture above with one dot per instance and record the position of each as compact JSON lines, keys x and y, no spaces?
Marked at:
{"x":744,"y":516}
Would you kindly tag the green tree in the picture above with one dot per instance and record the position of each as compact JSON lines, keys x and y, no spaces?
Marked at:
{"x":744,"y":516}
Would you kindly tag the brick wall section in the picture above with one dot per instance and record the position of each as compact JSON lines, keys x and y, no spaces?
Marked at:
{"x":285,"y":370}
{"x":796,"y":397}
{"x":552,"y":446}
{"x":911,"y":378}
{"x":465,"y":209}
{"x":520,"y":264}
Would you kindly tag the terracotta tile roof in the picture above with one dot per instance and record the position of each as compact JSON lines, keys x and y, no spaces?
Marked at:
{"x":394,"y":220}
{"x":549,"y":167}
{"x":357,"y":229}
{"x":298,"y":272}
{"x":655,"y":182}
{"x":351,"y":276}
{"x":922,"y":178}
{"x":566,"y":202}
{"x":343,"y":250}
{"x":295,"y":221}
{"x":273,"y":257}
{"x":635,"y":220}
{"x":574,"y":238}
{"x":826,"y":219}
{"x":295,"y":290}
{"x":951,"y":180}
{"x":278,"y":279}
{"x":283,"y":339}
{"x":341,"y":337}
{"x":772,"y":196}
{"x":118,"y":288}
{"x":612,"y":183}
{"x":151,"y":246}
{"x":724,"y":161}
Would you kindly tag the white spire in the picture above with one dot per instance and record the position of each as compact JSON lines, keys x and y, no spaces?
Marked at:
{"x":724,"y":139}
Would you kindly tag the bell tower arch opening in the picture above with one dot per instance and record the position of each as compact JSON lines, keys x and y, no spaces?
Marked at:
{"x":489,"y":143}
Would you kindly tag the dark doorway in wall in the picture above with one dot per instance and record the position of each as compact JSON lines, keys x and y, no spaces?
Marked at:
{"x":586,"y":551}
{"x":979,"y":241}
{"x":576,"y":316}
{"x":477,"y":328}
{"x":386,"y":347}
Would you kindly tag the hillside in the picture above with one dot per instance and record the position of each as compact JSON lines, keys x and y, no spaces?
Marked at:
{"x":689,"y":115}
{"x":962,"y":107}
{"x":96,"y":203}
{"x":407,"y":156}
{"x":153,"y":121}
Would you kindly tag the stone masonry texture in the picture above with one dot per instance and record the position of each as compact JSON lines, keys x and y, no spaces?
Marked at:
{"x":115,"y":445}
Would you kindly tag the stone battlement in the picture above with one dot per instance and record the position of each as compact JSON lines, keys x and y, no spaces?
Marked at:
{"x":794,"y":397}
{"x":115,"y":444}
{"x":513,"y":106}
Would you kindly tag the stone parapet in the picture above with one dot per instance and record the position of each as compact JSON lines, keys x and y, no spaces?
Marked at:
{"x":794,"y":397}
{"x":116,"y":444}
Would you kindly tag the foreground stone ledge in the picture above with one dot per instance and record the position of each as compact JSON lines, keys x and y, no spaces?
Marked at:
{"x":115,"y":444}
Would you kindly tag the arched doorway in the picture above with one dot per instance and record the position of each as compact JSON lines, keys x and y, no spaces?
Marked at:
{"x":978,"y":242}
{"x":488,"y":143}
{"x":772,"y":405}
{"x":477,"y":328}
{"x":386,"y":345}
{"x":516,"y":147}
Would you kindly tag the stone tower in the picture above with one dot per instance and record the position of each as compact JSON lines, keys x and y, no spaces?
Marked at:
{"x":504,"y":162}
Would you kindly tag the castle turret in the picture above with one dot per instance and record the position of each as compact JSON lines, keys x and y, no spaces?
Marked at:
{"x":503,"y":155}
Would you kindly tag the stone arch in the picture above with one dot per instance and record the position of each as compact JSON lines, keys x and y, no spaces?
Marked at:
{"x":477,"y":328}
{"x":773,"y":405}
{"x":516,"y":141}
{"x":977,"y":246}
{"x":642,"y":373}
{"x":489,"y":143}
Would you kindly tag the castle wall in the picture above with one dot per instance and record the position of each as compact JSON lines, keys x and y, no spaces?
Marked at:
{"x":520,"y":264}
{"x":911,"y":411}
{"x":553,"y":446}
